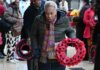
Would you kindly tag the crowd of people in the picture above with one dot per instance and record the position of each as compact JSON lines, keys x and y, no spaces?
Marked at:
{"x":46,"y":23}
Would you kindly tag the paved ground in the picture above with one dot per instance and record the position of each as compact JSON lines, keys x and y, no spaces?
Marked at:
{"x":21,"y":65}
{"x":84,"y":65}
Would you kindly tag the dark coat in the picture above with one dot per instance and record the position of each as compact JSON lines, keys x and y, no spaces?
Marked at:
{"x":96,"y":41}
{"x":62,"y":28}
{"x":29,"y":16}
{"x":4,"y":27}
{"x":80,"y":26}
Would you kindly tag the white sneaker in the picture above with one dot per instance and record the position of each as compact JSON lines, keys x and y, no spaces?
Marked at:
{"x":13,"y":61}
{"x":16,"y":60}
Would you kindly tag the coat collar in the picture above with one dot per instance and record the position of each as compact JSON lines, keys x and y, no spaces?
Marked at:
{"x":60,"y":14}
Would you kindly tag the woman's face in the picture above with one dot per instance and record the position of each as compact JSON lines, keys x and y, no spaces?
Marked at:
{"x":50,"y":13}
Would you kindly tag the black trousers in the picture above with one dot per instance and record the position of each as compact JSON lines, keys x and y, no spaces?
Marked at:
{"x":97,"y":58}
{"x":2,"y":46}
{"x":50,"y":65}
{"x":30,"y":64}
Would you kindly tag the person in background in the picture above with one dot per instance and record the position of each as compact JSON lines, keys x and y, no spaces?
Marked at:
{"x":63,"y":5}
{"x":57,"y":2}
{"x":48,"y":29}
{"x":14,"y":17}
{"x":4,"y":6}
{"x":1,"y":2}
{"x":96,"y":37}
{"x":23,"y":5}
{"x":35,"y":8}
{"x":4,"y":3}
{"x":2,"y":31}
{"x":96,"y":42}
{"x":81,"y":26}
{"x":81,"y":5}
{"x":90,"y":22}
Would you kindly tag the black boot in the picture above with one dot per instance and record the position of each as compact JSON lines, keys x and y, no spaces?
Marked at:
{"x":1,"y":56}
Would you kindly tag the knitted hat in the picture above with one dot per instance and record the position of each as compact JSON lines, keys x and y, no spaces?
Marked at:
{"x":2,"y":10}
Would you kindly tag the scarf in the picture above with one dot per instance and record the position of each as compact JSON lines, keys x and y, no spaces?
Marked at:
{"x":49,"y":41}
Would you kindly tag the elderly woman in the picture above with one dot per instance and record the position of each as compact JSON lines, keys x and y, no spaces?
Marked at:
{"x":48,"y":29}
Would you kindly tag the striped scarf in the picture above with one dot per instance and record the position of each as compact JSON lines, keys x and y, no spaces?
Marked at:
{"x":49,"y":40}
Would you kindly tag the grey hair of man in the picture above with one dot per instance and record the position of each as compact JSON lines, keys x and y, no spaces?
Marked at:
{"x":50,"y":3}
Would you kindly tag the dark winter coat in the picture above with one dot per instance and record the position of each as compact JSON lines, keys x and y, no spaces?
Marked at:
{"x":4,"y":27}
{"x":81,"y":26}
{"x":62,"y":28}
{"x":96,"y":38}
{"x":96,"y":41}
{"x":29,"y":17}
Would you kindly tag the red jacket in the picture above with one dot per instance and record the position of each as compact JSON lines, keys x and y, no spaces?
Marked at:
{"x":2,"y":10}
{"x":89,"y":22}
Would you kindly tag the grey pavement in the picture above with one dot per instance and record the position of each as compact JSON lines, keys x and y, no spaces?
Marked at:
{"x":84,"y":65}
{"x":22,"y":65}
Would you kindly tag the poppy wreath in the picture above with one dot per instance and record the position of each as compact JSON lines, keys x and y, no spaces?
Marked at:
{"x":75,"y":59}
{"x":21,"y":47}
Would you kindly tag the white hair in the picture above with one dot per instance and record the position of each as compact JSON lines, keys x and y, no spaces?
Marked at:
{"x":50,"y":3}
